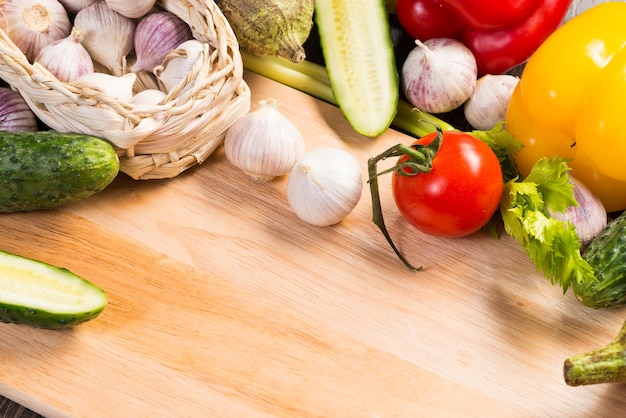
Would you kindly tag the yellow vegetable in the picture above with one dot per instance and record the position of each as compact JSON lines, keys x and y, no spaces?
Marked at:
{"x":570,"y":102}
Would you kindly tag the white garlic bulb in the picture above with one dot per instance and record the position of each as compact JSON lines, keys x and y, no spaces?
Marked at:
{"x":439,"y":75}
{"x":67,"y":59}
{"x":488,"y":104}
{"x":132,"y":9}
{"x":107,"y":35}
{"x":264,"y":143}
{"x":74,"y":6}
{"x":33,"y":24}
{"x":325,"y":186}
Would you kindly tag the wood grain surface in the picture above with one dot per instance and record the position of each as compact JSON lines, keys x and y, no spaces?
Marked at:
{"x":223,"y":304}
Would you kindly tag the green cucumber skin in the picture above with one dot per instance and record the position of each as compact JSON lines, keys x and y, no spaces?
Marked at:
{"x":48,"y":169}
{"x":606,"y":254}
{"x":12,"y":314}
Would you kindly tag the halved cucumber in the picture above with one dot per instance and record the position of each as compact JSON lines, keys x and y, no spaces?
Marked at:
{"x":44,"y":296}
{"x":360,"y":61}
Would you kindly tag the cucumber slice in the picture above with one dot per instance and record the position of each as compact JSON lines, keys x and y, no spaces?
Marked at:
{"x":44,"y":296}
{"x":360,"y":61}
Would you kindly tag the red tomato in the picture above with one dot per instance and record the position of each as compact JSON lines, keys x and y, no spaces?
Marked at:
{"x":461,"y":192}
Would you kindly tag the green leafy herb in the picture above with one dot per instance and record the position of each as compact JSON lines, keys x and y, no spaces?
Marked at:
{"x":551,"y":244}
{"x":505,"y":146}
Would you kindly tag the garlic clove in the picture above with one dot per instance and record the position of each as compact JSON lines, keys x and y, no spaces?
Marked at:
{"x":132,"y":9}
{"x":178,"y":63}
{"x":264,"y":143}
{"x":155,"y":36}
{"x":488,"y":104}
{"x":107,"y":35}
{"x":33,"y":24}
{"x":439,"y":75}
{"x":149,"y":97}
{"x":67,"y":59}
{"x":325,"y":186}
{"x":118,"y":88}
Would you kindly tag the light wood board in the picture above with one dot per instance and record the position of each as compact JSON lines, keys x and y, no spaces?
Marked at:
{"x":224,"y":304}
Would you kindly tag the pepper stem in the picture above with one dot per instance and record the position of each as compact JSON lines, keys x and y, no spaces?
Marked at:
{"x":419,"y":160}
{"x":603,"y":365}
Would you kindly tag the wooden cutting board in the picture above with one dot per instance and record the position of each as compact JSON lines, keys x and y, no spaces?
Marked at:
{"x":224,"y":304}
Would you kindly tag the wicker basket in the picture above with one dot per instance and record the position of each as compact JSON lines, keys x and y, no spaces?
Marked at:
{"x":158,"y":141}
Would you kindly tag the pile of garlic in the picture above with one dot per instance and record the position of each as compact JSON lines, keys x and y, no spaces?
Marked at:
{"x":124,"y":47}
{"x":324,"y":184}
{"x":440,"y":75}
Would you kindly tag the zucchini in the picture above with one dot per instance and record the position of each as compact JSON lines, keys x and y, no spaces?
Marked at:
{"x":44,"y":296}
{"x":358,"y":52}
{"x":47,"y":169}
{"x":606,"y":254}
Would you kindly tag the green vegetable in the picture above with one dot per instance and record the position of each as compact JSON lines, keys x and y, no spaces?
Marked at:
{"x":270,"y":27}
{"x":551,"y":244}
{"x":47,"y":169}
{"x":44,"y":296}
{"x":360,"y":60}
{"x":603,"y":365}
{"x":312,"y":79}
{"x":607,"y":256}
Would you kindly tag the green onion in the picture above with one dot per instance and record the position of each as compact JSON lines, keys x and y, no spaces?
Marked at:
{"x":311,"y":78}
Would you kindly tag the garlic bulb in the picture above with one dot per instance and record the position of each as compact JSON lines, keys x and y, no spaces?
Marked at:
{"x":488,"y":104}
{"x":107,"y":35}
{"x":132,"y":9}
{"x":155,"y":36}
{"x":264,"y":143}
{"x":119,"y":88}
{"x":67,"y":59}
{"x":589,"y":217}
{"x":148,"y":97}
{"x":439,"y":75}
{"x":74,"y":6}
{"x":325,"y":186}
{"x":33,"y":24}
{"x":15,"y":115}
{"x":178,"y":63}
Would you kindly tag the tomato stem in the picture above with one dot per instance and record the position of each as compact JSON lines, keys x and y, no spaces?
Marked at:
{"x":419,"y":160}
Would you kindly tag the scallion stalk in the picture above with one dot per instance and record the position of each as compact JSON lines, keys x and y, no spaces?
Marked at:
{"x":311,"y":78}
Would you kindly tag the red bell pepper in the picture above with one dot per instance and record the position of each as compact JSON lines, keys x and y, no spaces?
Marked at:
{"x":501,"y":33}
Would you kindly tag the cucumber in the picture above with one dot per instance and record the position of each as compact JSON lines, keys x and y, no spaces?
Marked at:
{"x":606,"y":254}
{"x":44,"y":296}
{"x":47,"y":169}
{"x":360,"y":61}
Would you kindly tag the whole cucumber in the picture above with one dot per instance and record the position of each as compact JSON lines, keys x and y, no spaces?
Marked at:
{"x":606,"y":254}
{"x":47,"y":169}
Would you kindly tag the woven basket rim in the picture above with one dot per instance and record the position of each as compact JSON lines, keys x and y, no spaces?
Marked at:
{"x":156,"y":141}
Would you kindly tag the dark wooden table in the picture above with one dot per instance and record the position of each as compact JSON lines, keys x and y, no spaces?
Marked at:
{"x":10,"y":409}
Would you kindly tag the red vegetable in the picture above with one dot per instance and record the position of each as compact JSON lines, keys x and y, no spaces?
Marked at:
{"x":447,"y":184}
{"x":461,"y":192}
{"x":501,"y":33}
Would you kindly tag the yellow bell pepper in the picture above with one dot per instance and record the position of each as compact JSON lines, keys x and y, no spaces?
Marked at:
{"x":571,"y":102}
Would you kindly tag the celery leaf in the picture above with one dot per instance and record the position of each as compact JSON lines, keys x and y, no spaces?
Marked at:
{"x":551,"y":244}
